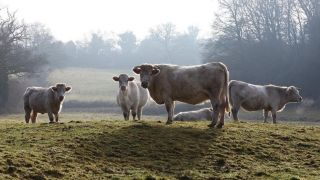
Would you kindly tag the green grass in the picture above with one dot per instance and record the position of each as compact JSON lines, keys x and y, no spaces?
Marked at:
{"x":95,"y":146}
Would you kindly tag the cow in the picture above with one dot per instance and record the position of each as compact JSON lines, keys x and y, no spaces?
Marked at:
{"x":189,"y":84}
{"x":201,"y":114}
{"x":131,"y":96}
{"x":257,"y":97}
{"x":44,"y":100}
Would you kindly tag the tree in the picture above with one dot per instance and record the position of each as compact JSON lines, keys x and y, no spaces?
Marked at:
{"x":42,"y":43}
{"x":127,"y":42}
{"x":165,"y":33}
{"x":16,"y":59}
{"x":268,"y":41}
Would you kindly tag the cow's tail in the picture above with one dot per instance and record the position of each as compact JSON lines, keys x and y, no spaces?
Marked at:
{"x":229,"y":89}
{"x":230,"y":97}
{"x":225,"y":93}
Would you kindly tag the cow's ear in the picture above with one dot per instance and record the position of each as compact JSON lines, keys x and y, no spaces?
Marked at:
{"x":289,"y":89}
{"x":155,"y":71}
{"x":137,"y":69}
{"x":68,"y":89}
{"x":115,"y":78}
{"x":54,"y":88}
{"x":130,"y":78}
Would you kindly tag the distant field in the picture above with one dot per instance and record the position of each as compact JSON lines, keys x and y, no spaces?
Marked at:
{"x":101,"y":146}
{"x":88,"y":85}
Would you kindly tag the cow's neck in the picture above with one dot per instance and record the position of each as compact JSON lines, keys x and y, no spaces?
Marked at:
{"x":283,"y":99}
{"x":154,"y":90}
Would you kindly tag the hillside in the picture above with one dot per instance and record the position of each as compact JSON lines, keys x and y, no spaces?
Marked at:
{"x":112,"y":148}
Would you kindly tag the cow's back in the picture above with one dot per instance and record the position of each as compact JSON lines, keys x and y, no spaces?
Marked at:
{"x":190,"y":84}
{"x":251,"y":97}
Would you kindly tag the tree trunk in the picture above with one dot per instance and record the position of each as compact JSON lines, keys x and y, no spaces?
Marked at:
{"x":3,"y":89}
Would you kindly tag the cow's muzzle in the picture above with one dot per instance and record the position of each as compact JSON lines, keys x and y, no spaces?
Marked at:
{"x":123,"y":88}
{"x":144,"y":84}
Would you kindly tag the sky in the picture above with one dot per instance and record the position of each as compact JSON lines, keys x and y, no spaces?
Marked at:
{"x":76,"y":19}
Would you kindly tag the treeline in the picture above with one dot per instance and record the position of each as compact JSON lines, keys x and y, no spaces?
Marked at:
{"x":163,"y":45}
{"x":269,"y":41}
{"x":30,"y":50}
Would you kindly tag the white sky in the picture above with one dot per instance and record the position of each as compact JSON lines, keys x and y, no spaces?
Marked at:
{"x":74,"y":19}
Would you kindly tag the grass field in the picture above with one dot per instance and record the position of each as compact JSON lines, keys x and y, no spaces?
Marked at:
{"x":103,"y":146}
{"x":94,"y":145}
{"x":89,"y":85}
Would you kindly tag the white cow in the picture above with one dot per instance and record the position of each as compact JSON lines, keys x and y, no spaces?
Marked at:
{"x":131,"y":96}
{"x":189,"y":84}
{"x":201,"y":114}
{"x":256,"y":97}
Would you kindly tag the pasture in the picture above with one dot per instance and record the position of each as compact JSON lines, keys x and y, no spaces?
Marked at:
{"x":94,"y":142}
{"x":104,"y":146}
{"x":89,"y":85}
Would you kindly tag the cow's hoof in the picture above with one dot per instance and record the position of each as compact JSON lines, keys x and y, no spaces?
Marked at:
{"x":219,"y":126}
{"x":211,"y":125}
{"x":169,"y":122}
{"x":51,"y":122}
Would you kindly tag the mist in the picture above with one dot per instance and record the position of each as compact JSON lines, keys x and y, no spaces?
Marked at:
{"x":261,"y":42}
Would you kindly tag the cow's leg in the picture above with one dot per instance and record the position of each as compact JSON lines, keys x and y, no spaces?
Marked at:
{"x":134,"y":113}
{"x":139,"y":112}
{"x":50,"y":115}
{"x":222,"y":110}
{"x":56,"y":115}
{"x":34,"y":117}
{"x":170,"y":109}
{"x":265,"y":115}
{"x":27,"y":111}
{"x":234,"y":111}
{"x":274,"y":116}
{"x":215,"y":112}
{"x":126,"y":114}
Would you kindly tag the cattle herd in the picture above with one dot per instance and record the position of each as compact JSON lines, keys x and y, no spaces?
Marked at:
{"x":169,"y":83}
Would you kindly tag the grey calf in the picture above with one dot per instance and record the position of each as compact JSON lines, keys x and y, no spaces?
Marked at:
{"x":44,"y":100}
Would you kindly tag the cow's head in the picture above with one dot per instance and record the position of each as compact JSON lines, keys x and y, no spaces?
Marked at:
{"x":293,"y":94}
{"x":123,"y":80}
{"x":146,"y":72}
{"x":59,"y":90}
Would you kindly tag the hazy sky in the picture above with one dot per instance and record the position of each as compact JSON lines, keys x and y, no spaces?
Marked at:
{"x":74,"y":19}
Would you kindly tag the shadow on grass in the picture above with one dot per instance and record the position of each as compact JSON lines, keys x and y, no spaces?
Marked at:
{"x":155,"y":148}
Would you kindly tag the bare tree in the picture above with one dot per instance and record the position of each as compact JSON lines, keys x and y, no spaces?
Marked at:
{"x":15,"y":58}
{"x":165,"y":33}
{"x":278,"y":36}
